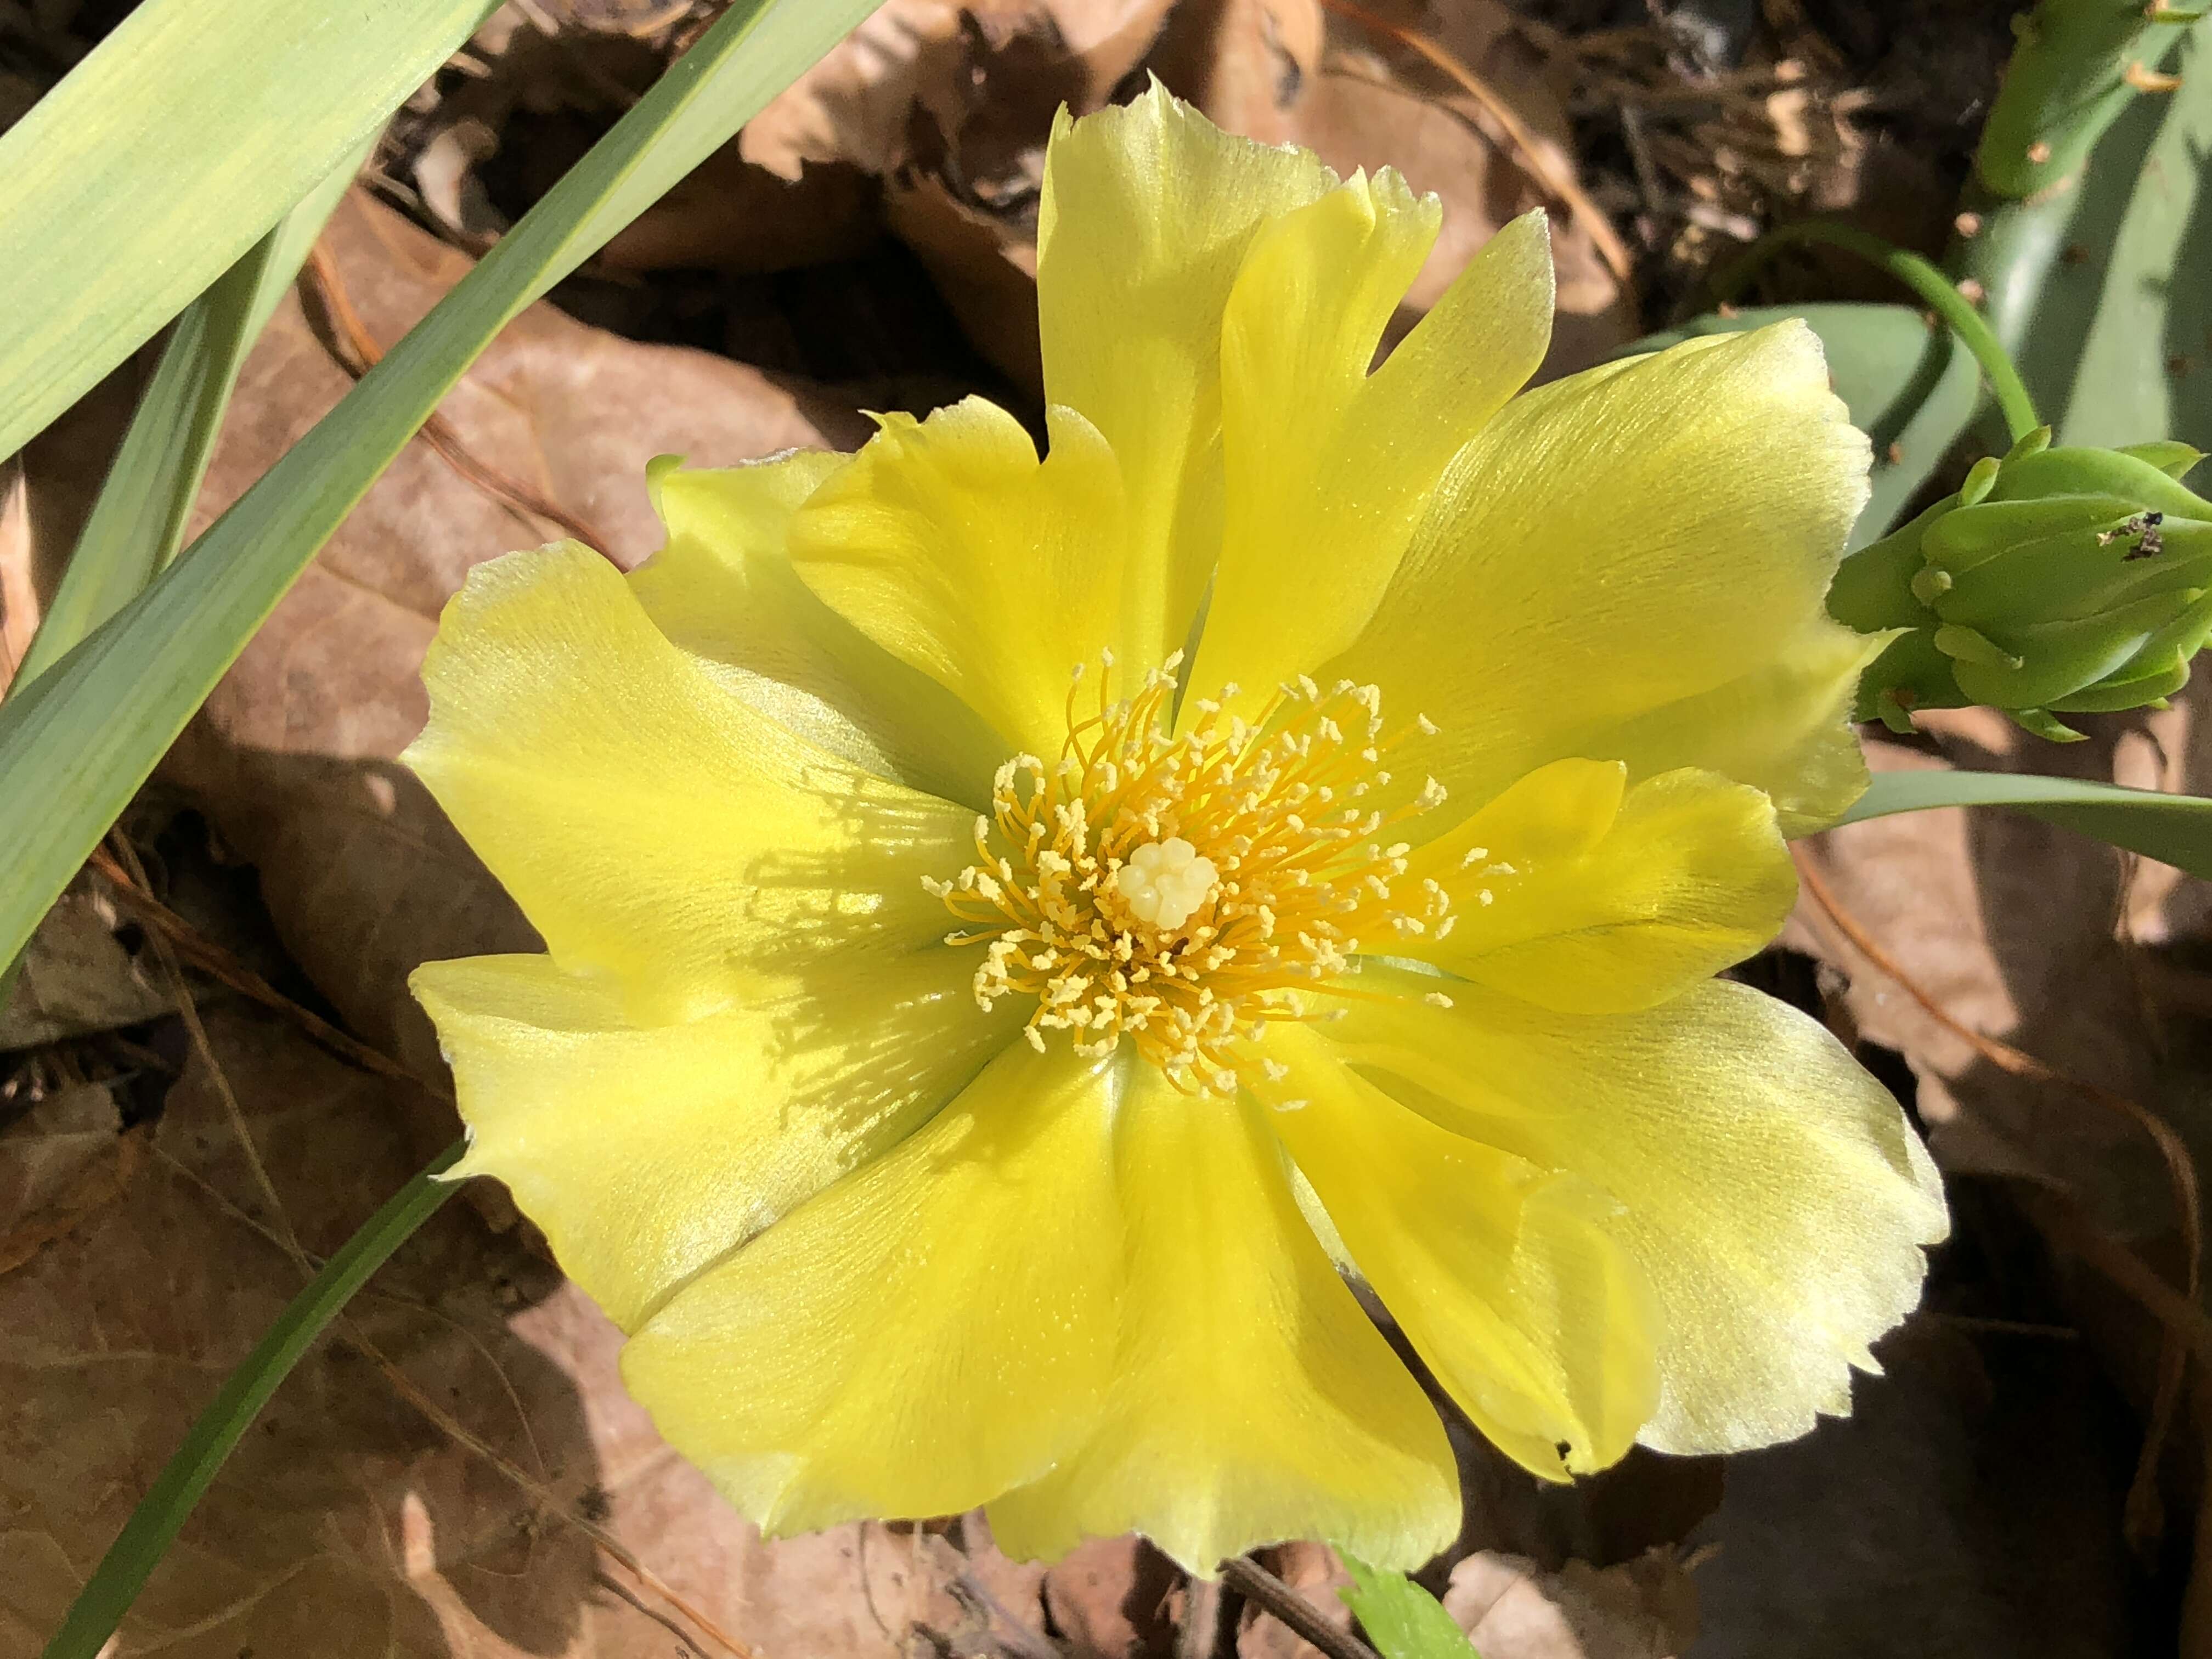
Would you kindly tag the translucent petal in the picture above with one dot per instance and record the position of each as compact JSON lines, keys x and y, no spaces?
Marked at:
{"x":1616,"y":551}
{"x":1772,"y":1191}
{"x":1504,"y":1275}
{"x":723,"y":588}
{"x":1328,"y":467}
{"x":1576,"y":893}
{"x":948,"y":543}
{"x":1146,"y":213}
{"x":652,"y":825}
{"x":1252,"y":1399}
{"x":937,"y":1327}
{"x":645,"y":1153}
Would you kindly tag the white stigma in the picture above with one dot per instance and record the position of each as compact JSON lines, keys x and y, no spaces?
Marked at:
{"x":1164,"y":881}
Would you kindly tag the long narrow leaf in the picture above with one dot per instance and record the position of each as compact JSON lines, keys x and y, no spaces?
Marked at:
{"x":138,"y":521}
{"x":154,"y":1525}
{"x":72,"y":752}
{"x":2174,"y":829}
{"x":168,"y":153}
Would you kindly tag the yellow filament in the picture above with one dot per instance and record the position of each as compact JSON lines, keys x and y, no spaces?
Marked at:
{"x":1279,"y":806}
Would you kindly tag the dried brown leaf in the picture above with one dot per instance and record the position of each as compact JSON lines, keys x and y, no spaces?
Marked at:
{"x":1646,"y":1608}
{"x":347,"y":1522}
{"x":77,"y":978}
{"x":64,"y":1160}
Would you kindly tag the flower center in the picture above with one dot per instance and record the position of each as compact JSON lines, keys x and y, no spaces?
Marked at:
{"x":1164,"y":881}
{"x":1181,"y":890}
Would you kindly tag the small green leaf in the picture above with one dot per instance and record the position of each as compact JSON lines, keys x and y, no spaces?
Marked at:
{"x":1913,"y":389}
{"x":1403,"y":1620}
{"x":2175,"y":829}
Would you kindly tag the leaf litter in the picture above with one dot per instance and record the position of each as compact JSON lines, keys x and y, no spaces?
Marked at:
{"x":868,"y":242}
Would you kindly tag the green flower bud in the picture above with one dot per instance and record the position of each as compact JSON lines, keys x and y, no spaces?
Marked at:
{"x":2056,"y":580}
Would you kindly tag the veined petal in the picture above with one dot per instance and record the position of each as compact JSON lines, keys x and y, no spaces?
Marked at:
{"x":1575,"y":891}
{"x":1617,"y":550}
{"x":723,"y":589}
{"x":937,"y":1327}
{"x":1329,"y":467}
{"x":1505,"y":1274}
{"x":1252,"y":1400}
{"x":1147,"y":211}
{"x":652,"y":825}
{"x":1783,"y":726}
{"x":948,"y":543}
{"x":1772,"y":1190}
{"x":647,"y":1153}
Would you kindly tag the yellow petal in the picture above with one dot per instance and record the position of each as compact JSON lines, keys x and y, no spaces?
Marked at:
{"x":1503,"y":1274}
{"x":1572,"y":892}
{"x":1772,"y":1191}
{"x":1613,"y":550}
{"x":723,"y":589}
{"x":1328,"y":467}
{"x":937,"y":1327}
{"x":1783,"y":726}
{"x":1252,"y":1401}
{"x":951,"y":546}
{"x":646,"y":1153}
{"x":1146,"y":213}
{"x":652,"y":825}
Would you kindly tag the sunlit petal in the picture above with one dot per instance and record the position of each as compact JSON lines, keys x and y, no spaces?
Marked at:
{"x":646,"y":1152}
{"x":948,"y":543}
{"x":1252,"y":1400}
{"x":653,"y":825}
{"x":1575,"y":891}
{"x":937,"y":1327}
{"x":1505,"y":1274}
{"x":1772,"y":1190}
{"x":723,"y":588}
{"x":1615,"y":550}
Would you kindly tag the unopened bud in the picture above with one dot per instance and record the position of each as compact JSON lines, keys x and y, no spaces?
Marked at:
{"x":2055,"y":582}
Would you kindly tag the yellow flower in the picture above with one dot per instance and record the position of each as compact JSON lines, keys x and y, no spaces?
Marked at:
{"x":1017,"y":928}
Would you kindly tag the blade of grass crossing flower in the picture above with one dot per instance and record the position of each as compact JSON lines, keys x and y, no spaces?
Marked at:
{"x":1403,"y":1620}
{"x":72,"y":753}
{"x":138,"y":522}
{"x":167,"y":154}
{"x":152,"y":1526}
{"x":2174,"y":829}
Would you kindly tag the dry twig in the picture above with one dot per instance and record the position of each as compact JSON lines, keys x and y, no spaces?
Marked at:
{"x":1539,"y":162}
{"x":1251,"y":1580}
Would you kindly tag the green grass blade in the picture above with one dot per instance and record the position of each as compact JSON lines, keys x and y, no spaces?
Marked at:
{"x":167,"y":154}
{"x":73,"y":752}
{"x":122,"y":1573}
{"x":2174,"y":829}
{"x":138,"y":521}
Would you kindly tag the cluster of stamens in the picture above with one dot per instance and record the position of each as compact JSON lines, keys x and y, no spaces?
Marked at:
{"x":1183,"y":890}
